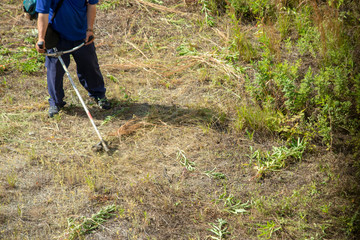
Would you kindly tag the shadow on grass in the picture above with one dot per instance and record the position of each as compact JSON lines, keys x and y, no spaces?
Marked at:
{"x":154,"y":113}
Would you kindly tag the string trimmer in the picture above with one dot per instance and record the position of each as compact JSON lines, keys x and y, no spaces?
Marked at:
{"x":101,"y":145}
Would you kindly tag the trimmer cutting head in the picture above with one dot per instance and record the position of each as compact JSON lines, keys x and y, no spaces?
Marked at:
{"x":99,"y":147}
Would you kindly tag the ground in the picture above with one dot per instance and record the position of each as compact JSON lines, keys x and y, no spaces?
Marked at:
{"x":177,"y":166}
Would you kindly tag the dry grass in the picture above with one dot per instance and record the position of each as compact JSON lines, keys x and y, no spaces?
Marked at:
{"x":163,"y":103}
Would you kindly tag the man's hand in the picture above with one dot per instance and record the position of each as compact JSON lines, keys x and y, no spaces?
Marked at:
{"x":40,"y":46}
{"x":89,"y":37}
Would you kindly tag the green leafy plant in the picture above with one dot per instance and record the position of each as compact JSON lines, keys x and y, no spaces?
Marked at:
{"x":325,"y":208}
{"x":80,"y":226}
{"x":24,"y":59}
{"x":112,"y":117}
{"x":278,"y":157}
{"x":206,"y":10}
{"x":156,"y":1}
{"x":236,"y":207}
{"x":328,"y":92}
{"x":213,"y":174}
{"x":91,"y":182}
{"x":184,"y":161}
{"x":249,"y":134}
{"x":268,"y":229}
{"x":232,"y":205}
{"x":284,"y":19}
{"x":240,"y":44}
{"x":219,"y":229}
{"x":109,"y":4}
{"x":353,"y":222}
{"x":112,"y":78}
{"x":12,"y":179}
{"x":33,"y":61}
{"x":186,"y":49}
{"x":252,"y":117}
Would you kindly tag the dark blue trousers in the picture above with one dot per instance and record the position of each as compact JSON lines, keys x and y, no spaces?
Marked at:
{"x":88,"y":71}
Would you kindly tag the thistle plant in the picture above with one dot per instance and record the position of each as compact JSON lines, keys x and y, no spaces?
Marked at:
{"x":213,"y":174}
{"x":233,"y":205}
{"x":81,"y":226}
{"x":219,"y":229}
{"x":278,"y":157}
{"x":184,"y":161}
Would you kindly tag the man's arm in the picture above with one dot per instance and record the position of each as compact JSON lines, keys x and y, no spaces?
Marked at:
{"x":42,"y":24}
{"x":91,"y":15}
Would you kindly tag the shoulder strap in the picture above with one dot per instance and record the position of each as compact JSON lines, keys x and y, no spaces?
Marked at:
{"x":56,"y":10}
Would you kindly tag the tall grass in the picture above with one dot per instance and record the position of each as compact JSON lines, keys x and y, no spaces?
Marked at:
{"x":305,"y":57}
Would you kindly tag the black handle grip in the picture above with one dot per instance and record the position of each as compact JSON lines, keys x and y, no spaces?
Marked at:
{"x":41,"y":45}
{"x":91,"y":37}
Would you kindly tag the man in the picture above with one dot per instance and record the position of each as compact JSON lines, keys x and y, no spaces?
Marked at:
{"x":75,"y":23}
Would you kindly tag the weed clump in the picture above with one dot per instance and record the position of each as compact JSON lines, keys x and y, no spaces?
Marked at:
{"x":304,"y":59}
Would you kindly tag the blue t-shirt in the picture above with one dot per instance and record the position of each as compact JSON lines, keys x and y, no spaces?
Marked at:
{"x":71,"y":20}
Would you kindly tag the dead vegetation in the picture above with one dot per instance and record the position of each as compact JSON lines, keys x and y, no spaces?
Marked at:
{"x":163,"y":103}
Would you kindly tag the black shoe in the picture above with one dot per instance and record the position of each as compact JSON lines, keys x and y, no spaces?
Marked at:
{"x":53,"y":110}
{"x":103,"y":103}
{"x":61,"y":105}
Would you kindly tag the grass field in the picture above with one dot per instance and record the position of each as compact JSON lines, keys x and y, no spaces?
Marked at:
{"x":179,"y":165}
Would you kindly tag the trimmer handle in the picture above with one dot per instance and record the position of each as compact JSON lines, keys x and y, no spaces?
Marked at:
{"x":41,"y":45}
{"x":91,"y":37}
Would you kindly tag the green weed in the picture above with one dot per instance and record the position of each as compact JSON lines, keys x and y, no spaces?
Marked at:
{"x":278,"y":157}
{"x":186,"y":49}
{"x":249,"y":134}
{"x":325,"y":208}
{"x":233,"y":205}
{"x":213,"y":174}
{"x":322,"y":93}
{"x":33,"y":61}
{"x":12,"y":179}
{"x":108,"y":4}
{"x":19,"y":209}
{"x":80,"y":226}
{"x":252,"y":9}
{"x":190,"y":166}
{"x":112,"y":78}
{"x":284,"y":21}
{"x":156,"y":2}
{"x":206,"y":10}
{"x":4,"y":83}
{"x":256,"y":119}
{"x":91,"y":183}
{"x":240,"y":44}
{"x":219,"y":229}
{"x":23,"y":59}
{"x":112,"y":117}
{"x":353,"y":223}
{"x":268,"y":229}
